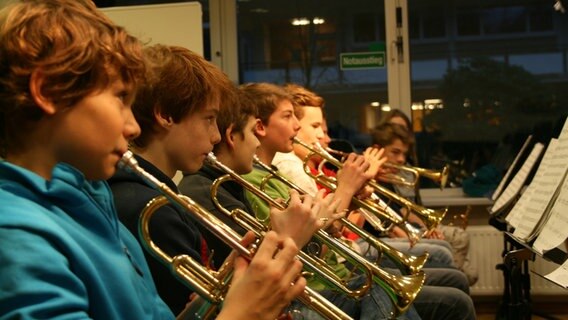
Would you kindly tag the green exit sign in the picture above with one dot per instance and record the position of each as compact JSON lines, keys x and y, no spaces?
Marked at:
{"x":361,"y":60}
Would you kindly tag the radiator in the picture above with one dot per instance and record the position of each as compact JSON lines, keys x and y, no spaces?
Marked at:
{"x":486,"y":247}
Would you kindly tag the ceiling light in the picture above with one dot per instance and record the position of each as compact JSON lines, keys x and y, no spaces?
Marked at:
{"x":317,"y":20}
{"x":300,"y":21}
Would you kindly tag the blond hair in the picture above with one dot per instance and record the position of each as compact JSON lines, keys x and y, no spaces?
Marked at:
{"x":302,"y":97}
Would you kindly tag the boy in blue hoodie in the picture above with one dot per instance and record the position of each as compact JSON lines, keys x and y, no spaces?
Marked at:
{"x":67,"y":81}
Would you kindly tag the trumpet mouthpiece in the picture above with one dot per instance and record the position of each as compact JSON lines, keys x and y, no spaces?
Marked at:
{"x":211,"y":159}
{"x":127,"y":161}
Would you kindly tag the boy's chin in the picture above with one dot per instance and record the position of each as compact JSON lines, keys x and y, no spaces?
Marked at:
{"x":193,"y":168}
{"x":103,"y":175}
{"x":289,"y":148}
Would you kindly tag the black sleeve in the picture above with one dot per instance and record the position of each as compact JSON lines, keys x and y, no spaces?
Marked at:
{"x":170,"y":229}
{"x":198,"y":188}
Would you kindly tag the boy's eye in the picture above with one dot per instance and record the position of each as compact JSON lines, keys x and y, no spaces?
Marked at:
{"x":122,"y":95}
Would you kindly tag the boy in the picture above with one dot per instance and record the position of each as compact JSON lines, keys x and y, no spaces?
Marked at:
{"x":177,"y":107}
{"x":67,"y":81}
{"x":398,"y":141}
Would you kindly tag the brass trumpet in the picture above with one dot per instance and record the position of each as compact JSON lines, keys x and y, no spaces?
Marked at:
{"x":406,"y":263}
{"x":209,"y":285}
{"x":438,"y":176}
{"x":430,"y":217}
{"x":401,"y":289}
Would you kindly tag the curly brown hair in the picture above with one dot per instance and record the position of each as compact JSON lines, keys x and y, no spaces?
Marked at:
{"x":76,"y":49}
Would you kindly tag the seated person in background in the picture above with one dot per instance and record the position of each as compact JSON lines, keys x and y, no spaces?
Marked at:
{"x":176,"y":107}
{"x":443,"y":285}
{"x":397,"y":141}
{"x":396,"y":116}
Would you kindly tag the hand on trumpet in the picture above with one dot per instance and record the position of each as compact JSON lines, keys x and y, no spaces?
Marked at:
{"x":434,"y":234}
{"x":304,"y":215}
{"x":351,"y":179}
{"x":397,"y":232}
{"x":375,"y":158}
{"x":261,"y":288}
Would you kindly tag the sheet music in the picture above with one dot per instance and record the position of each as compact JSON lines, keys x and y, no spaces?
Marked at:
{"x":546,"y":215}
{"x":505,"y":179}
{"x":564,"y":133}
{"x":560,"y":275}
{"x":555,"y":230}
{"x":515,"y":217}
{"x":518,"y":181}
{"x":545,"y":187}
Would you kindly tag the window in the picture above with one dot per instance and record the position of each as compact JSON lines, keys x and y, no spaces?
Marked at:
{"x":540,"y":19}
{"x":504,"y":20}
{"x":468,"y":23}
{"x":434,"y":24}
{"x":364,"y":28}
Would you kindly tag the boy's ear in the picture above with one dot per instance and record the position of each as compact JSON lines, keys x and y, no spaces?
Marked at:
{"x":259,"y":128}
{"x":230,"y":136}
{"x":36,"y":83}
{"x":163,"y":121}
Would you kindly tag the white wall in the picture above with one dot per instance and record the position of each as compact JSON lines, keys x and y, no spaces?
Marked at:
{"x":171,"y":24}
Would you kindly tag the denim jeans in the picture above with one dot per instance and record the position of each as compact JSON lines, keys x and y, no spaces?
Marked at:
{"x":375,"y":305}
{"x":444,"y":303}
{"x":439,"y":250}
{"x":444,"y":296}
{"x":446,"y":277}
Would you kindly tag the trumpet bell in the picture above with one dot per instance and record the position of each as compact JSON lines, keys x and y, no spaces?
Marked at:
{"x":444,"y":176}
{"x":438,"y":176}
{"x":431,"y":217}
{"x":405,"y":289}
{"x":206,"y":283}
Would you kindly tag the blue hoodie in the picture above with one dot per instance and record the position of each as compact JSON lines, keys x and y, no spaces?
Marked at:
{"x":63,"y":253}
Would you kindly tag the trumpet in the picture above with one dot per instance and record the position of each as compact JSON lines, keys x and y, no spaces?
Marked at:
{"x":430,"y":217}
{"x":406,"y":263}
{"x":438,"y":176}
{"x":401,"y":289}
{"x":209,"y":285}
